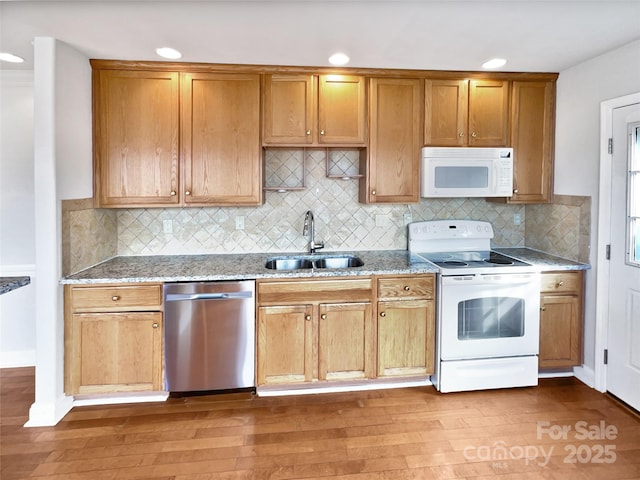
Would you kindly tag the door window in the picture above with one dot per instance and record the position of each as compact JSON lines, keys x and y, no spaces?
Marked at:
{"x":633,"y":197}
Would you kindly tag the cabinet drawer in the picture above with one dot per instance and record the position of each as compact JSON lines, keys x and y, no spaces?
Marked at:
{"x":303,"y":291}
{"x":407,"y":287}
{"x":116,"y":298}
{"x":561,"y":282}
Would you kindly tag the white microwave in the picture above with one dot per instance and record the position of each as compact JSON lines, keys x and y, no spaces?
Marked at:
{"x":466,"y":172}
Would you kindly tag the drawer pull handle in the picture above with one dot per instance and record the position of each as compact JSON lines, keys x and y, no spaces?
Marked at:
{"x":559,"y":283}
{"x":407,"y":288}
{"x":115,"y":298}
{"x":383,"y":314}
{"x":155,"y":325}
{"x":323,"y":316}
{"x":307,"y":317}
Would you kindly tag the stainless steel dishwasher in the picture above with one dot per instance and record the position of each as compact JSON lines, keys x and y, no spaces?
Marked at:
{"x":209,"y":336}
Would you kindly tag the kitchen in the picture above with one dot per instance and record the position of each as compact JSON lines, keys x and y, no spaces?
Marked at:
{"x":575,"y":94}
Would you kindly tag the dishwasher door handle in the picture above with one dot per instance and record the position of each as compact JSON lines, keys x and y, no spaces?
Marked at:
{"x":176,"y":297}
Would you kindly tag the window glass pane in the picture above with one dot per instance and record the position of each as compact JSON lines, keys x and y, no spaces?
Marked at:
{"x":633,"y":200}
{"x":493,"y":317}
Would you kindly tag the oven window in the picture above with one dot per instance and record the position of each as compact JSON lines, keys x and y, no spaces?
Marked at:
{"x":492,"y":317}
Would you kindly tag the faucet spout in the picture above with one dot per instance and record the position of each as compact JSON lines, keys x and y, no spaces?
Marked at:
{"x":309,"y":229}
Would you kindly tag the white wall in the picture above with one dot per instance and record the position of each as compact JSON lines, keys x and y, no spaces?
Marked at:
{"x":580,"y":91}
{"x":62,"y":169}
{"x":17,"y":222}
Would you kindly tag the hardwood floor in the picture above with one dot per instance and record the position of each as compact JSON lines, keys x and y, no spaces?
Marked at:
{"x":412,"y":433}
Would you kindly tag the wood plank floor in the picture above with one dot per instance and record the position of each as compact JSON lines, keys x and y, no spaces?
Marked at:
{"x":411,"y":433}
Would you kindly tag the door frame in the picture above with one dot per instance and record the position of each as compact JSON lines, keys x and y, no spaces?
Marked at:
{"x":604,"y":238}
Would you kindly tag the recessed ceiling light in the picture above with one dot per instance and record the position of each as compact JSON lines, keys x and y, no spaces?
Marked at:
{"x":494,"y":63}
{"x":9,"y":57}
{"x":167,"y":52}
{"x":338,"y":59}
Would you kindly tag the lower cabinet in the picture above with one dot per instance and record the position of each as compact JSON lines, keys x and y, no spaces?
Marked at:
{"x":314,"y":330}
{"x":406,"y":326}
{"x":113,"y":338}
{"x":561,"y":319}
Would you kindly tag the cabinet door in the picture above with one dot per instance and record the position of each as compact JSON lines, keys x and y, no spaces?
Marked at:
{"x":342,"y":109}
{"x":285,"y":344}
{"x":393,"y":163}
{"x":446,"y":113}
{"x":532,"y":133}
{"x":560,"y":331}
{"x":116,"y":352}
{"x":221,"y":139}
{"x":488,"y":113}
{"x":406,"y":338}
{"x":345,"y":341}
{"x":136,"y":125}
{"x":289,"y":109}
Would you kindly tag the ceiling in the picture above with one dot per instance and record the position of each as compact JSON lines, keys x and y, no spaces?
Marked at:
{"x":534,"y":35}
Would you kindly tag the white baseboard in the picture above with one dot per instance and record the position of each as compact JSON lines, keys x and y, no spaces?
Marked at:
{"x":19,"y":358}
{"x":116,"y":399}
{"x":586,"y":375}
{"x":49,"y":414}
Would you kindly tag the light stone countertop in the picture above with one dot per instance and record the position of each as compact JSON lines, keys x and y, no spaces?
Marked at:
{"x":199,"y":268}
{"x":545,"y":261}
{"x":8,"y":284}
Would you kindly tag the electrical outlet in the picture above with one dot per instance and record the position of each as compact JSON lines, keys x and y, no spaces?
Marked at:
{"x":407,"y":218}
{"x":240,"y":222}
{"x":516,"y":219}
{"x":167,"y":226}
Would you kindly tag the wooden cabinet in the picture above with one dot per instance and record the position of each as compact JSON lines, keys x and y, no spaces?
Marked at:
{"x":406,"y":325}
{"x":221,"y":148}
{"x":135,"y":135}
{"x":392,"y":165}
{"x":532,"y":134}
{"x":466,"y":113}
{"x":113,"y":338}
{"x":164,"y":138}
{"x":314,"y":330}
{"x":561,"y":319}
{"x":314,"y":110}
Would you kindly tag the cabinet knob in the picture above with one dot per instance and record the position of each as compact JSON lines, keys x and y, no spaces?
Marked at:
{"x":461,"y":134}
{"x":543,"y":308}
{"x":373,"y":192}
{"x":321,"y":132}
{"x":515,"y":190}
{"x":307,"y":317}
{"x":187,"y":192}
{"x":173,"y":193}
{"x":407,"y":288}
{"x":155,"y":325}
{"x":383,"y":314}
{"x":323,"y":316}
{"x":559,"y":283}
{"x":115,"y":298}
{"x":474,"y":134}
{"x":308,"y":132}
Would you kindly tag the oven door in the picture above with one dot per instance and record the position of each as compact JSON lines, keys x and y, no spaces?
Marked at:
{"x":489,"y":316}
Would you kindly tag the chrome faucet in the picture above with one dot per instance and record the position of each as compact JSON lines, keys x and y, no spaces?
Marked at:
{"x":309,"y":229}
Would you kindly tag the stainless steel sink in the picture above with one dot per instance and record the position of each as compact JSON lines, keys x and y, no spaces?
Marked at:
{"x":288,"y":263}
{"x":339,"y":262}
{"x":300,"y":263}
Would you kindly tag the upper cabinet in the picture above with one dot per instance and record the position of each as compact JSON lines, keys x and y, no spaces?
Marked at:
{"x":314,"y":110}
{"x":471,"y":113}
{"x":220,"y":134}
{"x":136,"y":147}
{"x":532,"y":133}
{"x":392,"y":166}
{"x":165,"y":138}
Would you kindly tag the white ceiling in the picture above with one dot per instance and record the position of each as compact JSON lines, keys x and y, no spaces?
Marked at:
{"x":534,"y":35}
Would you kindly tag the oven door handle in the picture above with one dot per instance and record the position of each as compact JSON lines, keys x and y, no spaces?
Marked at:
{"x":492,"y":279}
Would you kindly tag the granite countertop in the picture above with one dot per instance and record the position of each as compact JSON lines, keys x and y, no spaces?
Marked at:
{"x":11,"y":283}
{"x":197,"y":268}
{"x":545,"y":261}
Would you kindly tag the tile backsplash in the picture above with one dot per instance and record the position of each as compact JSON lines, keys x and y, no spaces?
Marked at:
{"x":93,"y":235}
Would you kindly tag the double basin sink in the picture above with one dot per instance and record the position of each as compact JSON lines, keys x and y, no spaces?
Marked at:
{"x":300,"y":262}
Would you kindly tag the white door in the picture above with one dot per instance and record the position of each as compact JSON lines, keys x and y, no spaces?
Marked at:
{"x":623,"y":369}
